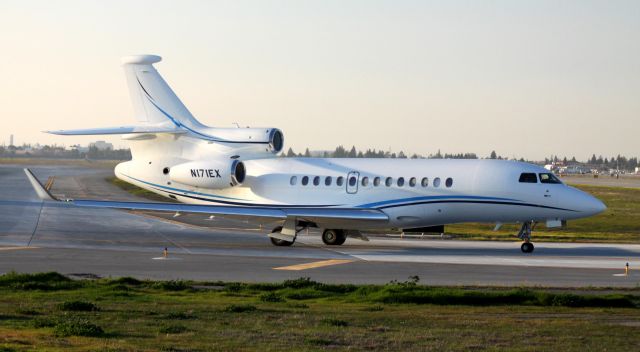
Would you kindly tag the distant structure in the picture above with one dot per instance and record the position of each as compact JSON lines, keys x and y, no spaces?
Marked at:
{"x":10,"y":140}
{"x":101,"y":145}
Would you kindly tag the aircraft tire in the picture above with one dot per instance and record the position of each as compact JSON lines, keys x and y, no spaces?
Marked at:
{"x":527,"y":247}
{"x":333,"y":237}
{"x":278,"y":242}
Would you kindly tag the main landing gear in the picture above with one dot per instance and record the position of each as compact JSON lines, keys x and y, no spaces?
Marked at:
{"x":525,"y":235}
{"x":278,"y":242}
{"x":334,"y":237}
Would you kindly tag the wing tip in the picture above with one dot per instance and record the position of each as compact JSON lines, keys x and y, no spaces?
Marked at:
{"x":38,"y":187}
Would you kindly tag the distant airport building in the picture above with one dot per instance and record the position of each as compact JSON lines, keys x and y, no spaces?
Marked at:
{"x":101,"y":145}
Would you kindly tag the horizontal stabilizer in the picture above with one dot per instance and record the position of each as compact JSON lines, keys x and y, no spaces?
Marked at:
{"x":119,"y":130}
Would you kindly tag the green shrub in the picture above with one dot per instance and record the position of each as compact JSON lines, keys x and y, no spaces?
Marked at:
{"x":173,"y":285}
{"x":126,"y":280}
{"x":40,"y":281}
{"x":271,"y":297}
{"x":302,"y":282}
{"x":78,"y":306}
{"x":77,"y":327}
{"x":240,"y":308}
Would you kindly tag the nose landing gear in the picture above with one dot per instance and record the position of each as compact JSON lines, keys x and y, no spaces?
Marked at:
{"x":525,"y":235}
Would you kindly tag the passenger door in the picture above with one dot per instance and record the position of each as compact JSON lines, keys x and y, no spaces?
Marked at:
{"x":352,"y":182}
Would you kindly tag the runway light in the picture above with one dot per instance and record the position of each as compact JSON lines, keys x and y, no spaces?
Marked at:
{"x":626,"y":270}
{"x":165,"y":252}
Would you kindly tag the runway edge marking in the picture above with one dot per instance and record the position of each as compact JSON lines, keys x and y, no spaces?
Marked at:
{"x":17,"y":248}
{"x":313,"y":265}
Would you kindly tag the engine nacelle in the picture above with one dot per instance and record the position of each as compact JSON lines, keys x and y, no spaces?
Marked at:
{"x":209,"y":174}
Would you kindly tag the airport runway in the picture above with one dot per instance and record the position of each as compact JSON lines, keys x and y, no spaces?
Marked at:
{"x":114,"y":243}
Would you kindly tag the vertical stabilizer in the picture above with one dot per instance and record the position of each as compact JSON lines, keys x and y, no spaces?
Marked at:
{"x":153,"y":100}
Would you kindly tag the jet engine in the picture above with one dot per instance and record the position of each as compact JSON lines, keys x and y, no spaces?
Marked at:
{"x":209,"y":174}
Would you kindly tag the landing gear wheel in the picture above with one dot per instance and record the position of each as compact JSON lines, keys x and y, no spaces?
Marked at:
{"x":527,"y":247}
{"x":278,"y":242}
{"x":333,"y":237}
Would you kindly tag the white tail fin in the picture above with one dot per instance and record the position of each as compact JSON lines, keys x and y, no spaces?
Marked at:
{"x":153,"y":100}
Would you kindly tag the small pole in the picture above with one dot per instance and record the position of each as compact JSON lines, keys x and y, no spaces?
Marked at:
{"x":165,"y":252}
{"x":626,"y":270}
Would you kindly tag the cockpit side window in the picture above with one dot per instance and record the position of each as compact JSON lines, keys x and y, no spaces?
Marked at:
{"x":548,"y":178}
{"x":528,"y":177}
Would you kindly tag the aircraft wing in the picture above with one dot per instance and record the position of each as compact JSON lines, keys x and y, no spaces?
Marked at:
{"x":324,"y":216}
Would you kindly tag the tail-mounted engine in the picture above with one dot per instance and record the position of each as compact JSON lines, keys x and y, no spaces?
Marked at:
{"x":209,"y":174}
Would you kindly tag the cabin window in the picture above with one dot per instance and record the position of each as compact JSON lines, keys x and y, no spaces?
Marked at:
{"x":388,"y":181}
{"x":400,"y":181}
{"x":327,"y":181}
{"x":316,"y":180}
{"x":436,"y":182}
{"x":548,"y":178}
{"x":528,"y":177}
{"x":412,"y":182}
{"x":424,"y":182}
{"x":448,"y":182}
{"x":340,"y":181}
{"x":352,"y":181}
{"x":294,"y":180}
{"x":305,"y":180}
{"x":365,"y":181}
{"x":376,"y":181}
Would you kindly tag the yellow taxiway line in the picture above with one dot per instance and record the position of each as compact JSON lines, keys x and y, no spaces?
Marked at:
{"x":313,"y":265}
{"x":15,"y":248}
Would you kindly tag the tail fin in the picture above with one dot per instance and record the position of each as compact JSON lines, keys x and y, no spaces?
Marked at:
{"x":153,"y":100}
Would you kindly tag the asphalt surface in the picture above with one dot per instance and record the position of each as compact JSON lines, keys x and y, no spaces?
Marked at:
{"x":37,"y":237}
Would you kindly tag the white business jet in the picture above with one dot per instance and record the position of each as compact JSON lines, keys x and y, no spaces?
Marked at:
{"x":237,"y":172}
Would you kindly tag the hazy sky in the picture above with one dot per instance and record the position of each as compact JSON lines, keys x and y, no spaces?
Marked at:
{"x":524,"y":78}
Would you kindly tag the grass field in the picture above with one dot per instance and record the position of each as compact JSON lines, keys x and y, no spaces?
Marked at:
{"x":51,"y":312}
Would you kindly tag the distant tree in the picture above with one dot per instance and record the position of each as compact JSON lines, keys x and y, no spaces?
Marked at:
{"x":307,"y":153}
{"x":401,"y":155}
{"x":340,"y":152}
{"x":493,"y":155}
{"x":360,"y":154}
{"x":290,"y":153}
{"x":593,"y":160}
{"x":352,"y":153}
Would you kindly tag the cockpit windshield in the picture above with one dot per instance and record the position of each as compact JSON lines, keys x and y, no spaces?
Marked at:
{"x":549,"y":178}
{"x":528,"y":177}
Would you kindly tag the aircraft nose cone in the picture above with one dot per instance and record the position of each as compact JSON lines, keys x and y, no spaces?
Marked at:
{"x":593,"y":206}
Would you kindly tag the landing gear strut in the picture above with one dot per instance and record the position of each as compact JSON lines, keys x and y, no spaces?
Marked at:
{"x":334,"y":237}
{"x":525,"y":235}
{"x":278,"y":242}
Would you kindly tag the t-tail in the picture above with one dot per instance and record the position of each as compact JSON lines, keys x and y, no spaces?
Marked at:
{"x":158,"y":110}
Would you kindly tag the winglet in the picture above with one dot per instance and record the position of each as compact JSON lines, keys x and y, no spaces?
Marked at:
{"x":38,"y":187}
